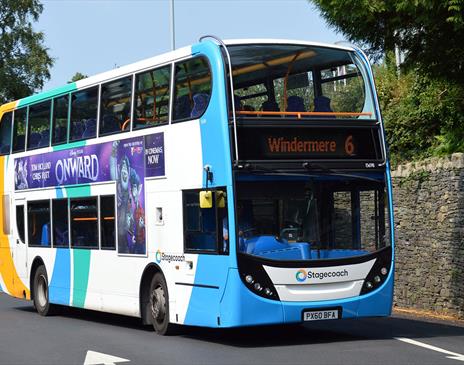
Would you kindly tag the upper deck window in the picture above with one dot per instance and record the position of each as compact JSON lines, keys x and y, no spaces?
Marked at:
{"x":60,"y":119}
{"x":115,"y":106}
{"x":296,"y":81}
{"x":19,"y":130}
{"x":5,"y":133}
{"x":152,"y":98}
{"x":192,"y":89}
{"x":39,"y":125}
{"x":84,"y":106}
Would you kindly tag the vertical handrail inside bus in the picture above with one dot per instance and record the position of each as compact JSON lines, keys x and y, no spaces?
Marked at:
{"x":232,"y":99}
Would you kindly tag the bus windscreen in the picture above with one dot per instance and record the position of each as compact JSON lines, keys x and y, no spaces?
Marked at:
{"x":299,"y":81}
{"x":323,"y":216}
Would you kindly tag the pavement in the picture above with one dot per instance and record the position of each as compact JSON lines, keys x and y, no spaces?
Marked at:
{"x":76,"y":336}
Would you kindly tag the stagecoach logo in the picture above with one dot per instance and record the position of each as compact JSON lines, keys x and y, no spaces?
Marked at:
{"x":302,"y":275}
{"x":163,"y":256}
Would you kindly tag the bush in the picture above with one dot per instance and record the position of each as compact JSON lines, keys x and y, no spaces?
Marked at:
{"x":423,"y":116}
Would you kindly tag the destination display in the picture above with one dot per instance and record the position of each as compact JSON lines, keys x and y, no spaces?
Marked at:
{"x":305,"y":143}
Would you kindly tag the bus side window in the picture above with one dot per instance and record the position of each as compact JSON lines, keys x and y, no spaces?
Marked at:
{"x":115,"y":106}
{"x":60,"y":120}
{"x":192,"y":89}
{"x":60,"y":223}
{"x":152,"y":98}
{"x":19,"y":130}
{"x":38,"y":223}
{"x":5,"y":133}
{"x":20,"y":222}
{"x":84,"y":223}
{"x":107,"y":223}
{"x":84,"y":106}
{"x":204,"y":227}
{"x":39,"y":125}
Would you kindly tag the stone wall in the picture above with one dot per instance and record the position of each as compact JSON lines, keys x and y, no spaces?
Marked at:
{"x":429,"y":220}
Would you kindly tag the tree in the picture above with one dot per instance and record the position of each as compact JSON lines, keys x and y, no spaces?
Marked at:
{"x":24,"y":60}
{"x":431,"y":32}
{"x":77,"y":76}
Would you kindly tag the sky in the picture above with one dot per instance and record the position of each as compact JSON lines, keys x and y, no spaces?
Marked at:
{"x":93,"y":36}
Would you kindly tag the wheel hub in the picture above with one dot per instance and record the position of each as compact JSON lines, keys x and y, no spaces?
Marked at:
{"x":158,"y":304}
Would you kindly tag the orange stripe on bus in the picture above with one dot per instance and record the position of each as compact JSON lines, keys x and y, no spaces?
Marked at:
{"x":14,"y":285}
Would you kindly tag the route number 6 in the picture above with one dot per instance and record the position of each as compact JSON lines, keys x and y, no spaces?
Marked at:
{"x":349,"y":146}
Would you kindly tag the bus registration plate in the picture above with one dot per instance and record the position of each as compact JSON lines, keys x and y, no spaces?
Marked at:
{"x":321,"y":315}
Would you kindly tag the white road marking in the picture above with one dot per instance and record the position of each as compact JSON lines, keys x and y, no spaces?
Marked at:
{"x":97,"y":358}
{"x":453,"y":355}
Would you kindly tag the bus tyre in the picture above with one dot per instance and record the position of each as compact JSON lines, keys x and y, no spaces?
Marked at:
{"x":40,"y":298}
{"x":159,"y":306}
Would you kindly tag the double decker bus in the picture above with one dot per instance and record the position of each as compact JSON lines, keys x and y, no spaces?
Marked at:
{"x":220,"y":185}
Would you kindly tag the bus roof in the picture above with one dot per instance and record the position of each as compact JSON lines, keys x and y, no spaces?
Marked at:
{"x":158,"y":60}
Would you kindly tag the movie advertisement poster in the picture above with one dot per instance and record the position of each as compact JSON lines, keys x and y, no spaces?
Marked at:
{"x":127,"y":162}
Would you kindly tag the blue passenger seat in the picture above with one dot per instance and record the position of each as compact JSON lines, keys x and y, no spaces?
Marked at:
{"x":45,"y":140}
{"x":90,"y":129}
{"x":200,"y":102}
{"x":295,"y":104}
{"x":34,"y":140}
{"x":322,"y":104}
{"x":182,"y":107}
{"x":270,"y":106}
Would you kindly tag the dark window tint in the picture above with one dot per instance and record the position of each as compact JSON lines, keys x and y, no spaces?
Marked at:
{"x":192,"y":89}
{"x":115,"y":106}
{"x":84,"y":223}
{"x":60,"y":119}
{"x":107,"y":222}
{"x":19,"y":130}
{"x":84,"y":105}
{"x":5,"y":134}
{"x":39,"y":125}
{"x":206,"y":229}
{"x":60,"y":223}
{"x":152,"y":98}
{"x":38,"y":223}
{"x":20,"y":222}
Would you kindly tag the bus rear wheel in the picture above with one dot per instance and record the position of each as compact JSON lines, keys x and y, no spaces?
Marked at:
{"x":159,"y":306}
{"x":40,"y":296}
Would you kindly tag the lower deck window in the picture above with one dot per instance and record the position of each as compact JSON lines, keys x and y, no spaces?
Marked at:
{"x":107,"y":222}
{"x":205,"y":229}
{"x":60,"y":223}
{"x":38,"y":223}
{"x":84,"y":223}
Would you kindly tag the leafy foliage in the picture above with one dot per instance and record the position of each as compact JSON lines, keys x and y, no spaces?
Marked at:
{"x":430,"y":31}
{"x":24,"y":60}
{"x":77,"y":76}
{"x":423,"y":116}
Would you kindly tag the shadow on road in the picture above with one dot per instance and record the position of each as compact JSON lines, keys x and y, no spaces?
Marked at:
{"x":285,"y":335}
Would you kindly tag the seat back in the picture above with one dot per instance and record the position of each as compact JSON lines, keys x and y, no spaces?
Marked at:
{"x":200,"y":102}
{"x":295,"y":104}
{"x":270,"y":106}
{"x":322,"y":104}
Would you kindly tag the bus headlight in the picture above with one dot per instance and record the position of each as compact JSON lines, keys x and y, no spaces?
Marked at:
{"x":249,"y":279}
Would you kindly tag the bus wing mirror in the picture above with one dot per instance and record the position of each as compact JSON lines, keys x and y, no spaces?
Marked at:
{"x":220,"y":199}
{"x":206,"y":199}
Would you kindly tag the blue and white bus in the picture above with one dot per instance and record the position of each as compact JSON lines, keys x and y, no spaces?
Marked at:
{"x":220,"y":185}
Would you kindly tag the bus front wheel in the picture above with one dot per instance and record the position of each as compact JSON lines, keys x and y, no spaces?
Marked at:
{"x":40,"y":297}
{"x":159,"y":305}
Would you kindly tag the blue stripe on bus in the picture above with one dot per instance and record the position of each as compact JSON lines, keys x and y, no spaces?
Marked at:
{"x":60,"y":284}
{"x":203,"y":308}
{"x":215,"y":135}
{"x":59,"y":192}
{"x":1,"y":290}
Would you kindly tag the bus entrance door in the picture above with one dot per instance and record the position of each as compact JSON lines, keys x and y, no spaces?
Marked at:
{"x":19,"y":245}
